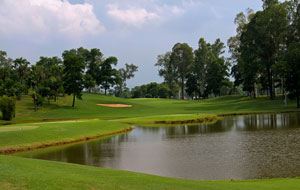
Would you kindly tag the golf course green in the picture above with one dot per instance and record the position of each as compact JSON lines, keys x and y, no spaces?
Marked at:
{"x":58,"y":123}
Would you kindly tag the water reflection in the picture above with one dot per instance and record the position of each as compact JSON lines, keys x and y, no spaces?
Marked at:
{"x":239,"y":147}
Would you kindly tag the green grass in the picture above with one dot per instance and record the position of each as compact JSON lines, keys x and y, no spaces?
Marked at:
{"x":170,"y":119}
{"x":37,"y":135}
{"x":87,"y":107}
{"x":23,"y":173}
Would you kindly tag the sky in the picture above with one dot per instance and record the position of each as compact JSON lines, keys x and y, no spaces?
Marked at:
{"x":134,"y":31}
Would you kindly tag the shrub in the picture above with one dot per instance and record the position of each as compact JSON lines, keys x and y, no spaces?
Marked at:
{"x":8,"y":107}
{"x":40,"y":100}
{"x":148,"y":96}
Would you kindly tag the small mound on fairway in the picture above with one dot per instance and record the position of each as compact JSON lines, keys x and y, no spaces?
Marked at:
{"x":115,"y":105}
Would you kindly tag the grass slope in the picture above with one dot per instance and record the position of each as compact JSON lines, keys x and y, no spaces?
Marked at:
{"x":22,"y":173}
{"x":21,"y":137}
{"x":87,"y":107}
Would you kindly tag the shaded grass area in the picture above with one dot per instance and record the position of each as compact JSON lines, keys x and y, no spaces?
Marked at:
{"x":41,"y":135}
{"x":87,"y":108}
{"x":23,"y":173}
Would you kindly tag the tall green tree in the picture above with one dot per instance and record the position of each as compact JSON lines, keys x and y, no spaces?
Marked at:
{"x":265,"y":35}
{"x":168,"y":70}
{"x":94,"y":59}
{"x":52,"y":83}
{"x":202,"y":60}
{"x":192,"y":85}
{"x":74,"y":65}
{"x":183,"y":58}
{"x":21,"y":66}
{"x":238,"y":70}
{"x":124,"y":75}
{"x":37,"y":75}
{"x":108,"y":76}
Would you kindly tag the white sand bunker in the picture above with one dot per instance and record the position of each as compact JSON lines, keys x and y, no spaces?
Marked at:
{"x":21,"y":128}
{"x":115,"y":105}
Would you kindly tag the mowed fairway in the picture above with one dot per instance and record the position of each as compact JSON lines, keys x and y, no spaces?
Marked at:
{"x":88,"y":108}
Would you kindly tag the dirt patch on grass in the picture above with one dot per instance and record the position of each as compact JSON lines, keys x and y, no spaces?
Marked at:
{"x":21,"y":128}
{"x":115,"y":105}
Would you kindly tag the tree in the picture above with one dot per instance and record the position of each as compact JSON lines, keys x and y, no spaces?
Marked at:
{"x":183,"y":59}
{"x":238,"y":70}
{"x":36,"y":77}
{"x":168,"y":71}
{"x":94,"y":59}
{"x":108,"y":76}
{"x":52,"y":83}
{"x":266,"y":35}
{"x":73,"y":73}
{"x":8,"y":107}
{"x":192,"y":86}
{"x":88,"y":82}
{"x":125,"y":74}
{"x":20,"y":65}
{"x":163,"y":91}
{"x":216,"y":75}
{"x":6,"y":66}
{"x":292,"y":71}
{"x":202,"y":59}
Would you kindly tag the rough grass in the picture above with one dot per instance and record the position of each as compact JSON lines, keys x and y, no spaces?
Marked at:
{"x":22,"y":173}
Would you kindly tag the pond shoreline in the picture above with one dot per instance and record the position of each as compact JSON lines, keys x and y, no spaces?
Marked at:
{"x":14,"y":149}
{"x":42,"y":145}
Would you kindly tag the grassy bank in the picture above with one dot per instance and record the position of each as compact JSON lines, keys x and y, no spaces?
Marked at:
{"x":21,"y":137}
{"x":170,"y":119}
{"x":22,"y":173}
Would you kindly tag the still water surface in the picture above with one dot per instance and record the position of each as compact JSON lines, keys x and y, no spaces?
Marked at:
{"x":239,"y":147}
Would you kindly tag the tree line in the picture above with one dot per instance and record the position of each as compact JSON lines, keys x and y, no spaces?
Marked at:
{"x":198,"y":73}
{"x":265,"y":53}
{"x":51,"y":77}
{"x":265,"y":57}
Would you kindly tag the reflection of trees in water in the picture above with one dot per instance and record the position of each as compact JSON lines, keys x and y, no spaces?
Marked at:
{"x":239,"y":123}
{"x":270,"y":121}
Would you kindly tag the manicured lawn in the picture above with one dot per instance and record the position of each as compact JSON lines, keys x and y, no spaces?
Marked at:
{"x":37,"y":135}
{"x":87,"y":107}
{"x":24,"y":173}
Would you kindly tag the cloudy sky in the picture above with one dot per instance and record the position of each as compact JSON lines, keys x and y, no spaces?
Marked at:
{"x":135,"y":31}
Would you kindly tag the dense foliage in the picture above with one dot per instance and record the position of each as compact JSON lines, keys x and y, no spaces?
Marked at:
{"x":8,"y":107}
{"x":265,"y":52}
{"x":198,"y":73}
{"x":52,"y":77}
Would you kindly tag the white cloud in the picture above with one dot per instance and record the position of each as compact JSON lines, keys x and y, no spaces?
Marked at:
{"x":48,"y":17}
{"x":138,"y":14}
{"x":132,"y":16}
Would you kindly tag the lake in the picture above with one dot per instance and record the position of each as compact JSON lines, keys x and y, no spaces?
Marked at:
{"x":238,"y":147}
